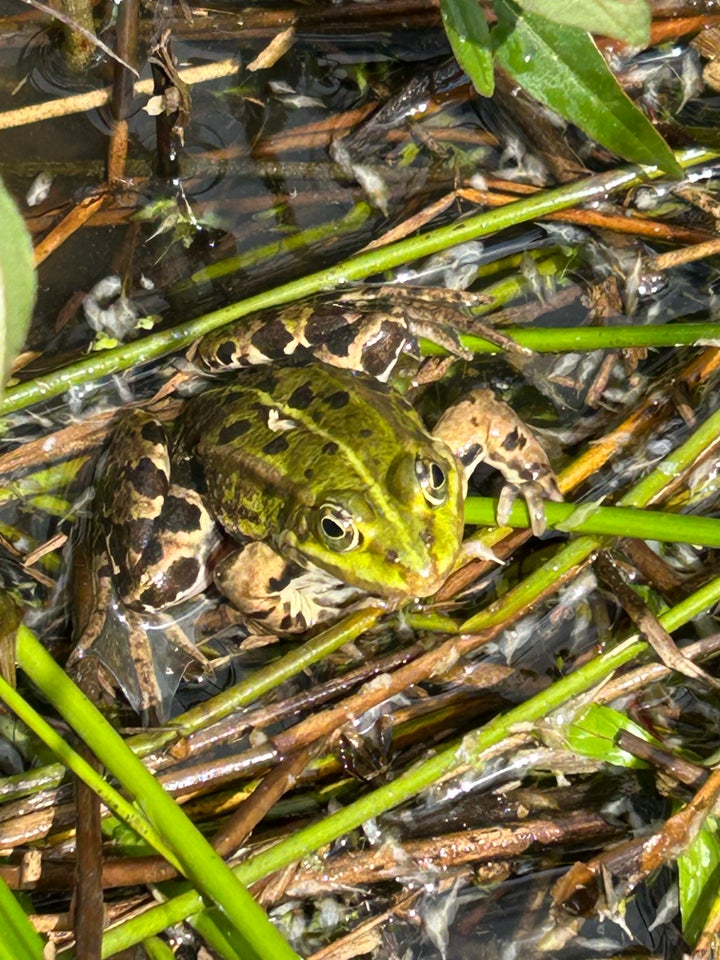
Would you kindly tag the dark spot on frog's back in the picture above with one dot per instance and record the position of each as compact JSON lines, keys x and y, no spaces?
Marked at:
{"x":278,"y":444}
{"x":185,"y":572}
{"x":322,"y":324}
{"x":365,"y":433}
{"x":330,"y":448}
{"x":337,"y":400}
{"x":233,"y":431}
{"x":301,"y":397}
{"x":340,"y":341}
{"x":265,"y":382}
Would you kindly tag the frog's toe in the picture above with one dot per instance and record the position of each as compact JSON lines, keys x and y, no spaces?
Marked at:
{"x":534,"y":493}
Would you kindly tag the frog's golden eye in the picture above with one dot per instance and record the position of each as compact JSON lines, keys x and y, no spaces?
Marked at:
{"x":433,"y":481}
{"x":337,"y":528}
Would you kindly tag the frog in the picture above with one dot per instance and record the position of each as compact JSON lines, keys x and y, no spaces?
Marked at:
{"x":303,"y":487}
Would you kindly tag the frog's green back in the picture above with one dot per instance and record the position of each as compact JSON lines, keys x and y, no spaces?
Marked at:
{"x":281,"y":444}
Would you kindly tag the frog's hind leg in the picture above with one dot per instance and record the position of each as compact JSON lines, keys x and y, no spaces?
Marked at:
{"x":483,"y":429}
{"x":159,"y":533}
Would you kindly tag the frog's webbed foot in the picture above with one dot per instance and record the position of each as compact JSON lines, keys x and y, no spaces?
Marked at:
{"x":277,"y":595}
{"x":143,"y":655}
{"x":482,"y":429}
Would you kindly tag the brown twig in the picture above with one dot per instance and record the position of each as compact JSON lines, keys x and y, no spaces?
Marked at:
{"x":79,"y":215}
{"x":445,"y":853}
{"x":81,"y":102}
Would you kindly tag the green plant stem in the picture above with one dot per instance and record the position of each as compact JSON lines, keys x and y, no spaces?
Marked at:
{"x":651,"y":486}
{"x":449,"y":761}
{"x":357,"y":268}
{"x":208,"y":872}
{"x":80,"y":767}
{"x":605,"y":521}
{"x":302,"y":240}
{"x":249,"y":689}
{"x":570,"y":339}
{"x":261,"y":681}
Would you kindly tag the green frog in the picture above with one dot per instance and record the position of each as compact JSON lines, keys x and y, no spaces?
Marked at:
{"x":301,"y":490}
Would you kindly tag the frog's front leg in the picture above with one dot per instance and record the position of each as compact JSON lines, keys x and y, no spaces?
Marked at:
{"x":482,"y":429}
{"x":158,"y":532}
{"x":278,"y":595}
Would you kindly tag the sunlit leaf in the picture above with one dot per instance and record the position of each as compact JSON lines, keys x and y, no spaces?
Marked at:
{"x":17,"y":282}
{"x":469,"y":36}
{"x":699,"y":876}
{"x":627,"y":20}
{"x":593,"y":731}
{"x":562,"y":68}
{"x":20,"y":940}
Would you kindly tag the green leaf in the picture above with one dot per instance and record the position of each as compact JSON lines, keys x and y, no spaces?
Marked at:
{"x":698,"y":876}
{"x":593,"y":731}
{"x":469,"y":36}
{"x":627,"y":20}
{"x":17,"y":282}
{"x":562,"y":68}
{"x":20,"y":939}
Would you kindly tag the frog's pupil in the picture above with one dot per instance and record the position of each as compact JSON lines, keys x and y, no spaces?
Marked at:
{"x":331,"y":529}
{"x":437,"y":475}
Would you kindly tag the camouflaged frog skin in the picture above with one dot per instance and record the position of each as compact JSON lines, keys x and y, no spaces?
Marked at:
{"x":302,"y":489}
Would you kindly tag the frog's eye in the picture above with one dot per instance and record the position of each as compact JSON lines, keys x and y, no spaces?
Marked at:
{"x":337,"y":528}
{"x":433,"y":481}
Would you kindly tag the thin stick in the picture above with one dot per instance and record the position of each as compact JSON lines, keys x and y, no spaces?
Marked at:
{"x":68,"y":225}
{"x":698,"y":251}
{"x":93,"y":99}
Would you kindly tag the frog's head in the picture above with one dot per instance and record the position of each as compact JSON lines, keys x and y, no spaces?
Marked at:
{"x":398,"y":538}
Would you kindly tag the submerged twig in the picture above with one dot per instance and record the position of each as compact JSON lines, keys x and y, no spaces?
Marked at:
{"x":79,"y":103}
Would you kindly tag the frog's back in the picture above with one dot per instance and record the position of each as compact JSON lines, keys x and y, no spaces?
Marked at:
{"x":276,"y":437}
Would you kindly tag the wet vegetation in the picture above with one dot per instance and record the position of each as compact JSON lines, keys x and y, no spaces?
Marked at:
{"x":524,"y":761}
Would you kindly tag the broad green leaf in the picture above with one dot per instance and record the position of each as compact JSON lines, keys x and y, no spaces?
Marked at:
{"x":562,"y":68}
{"x":17,"y":282}
{"x":699,"y":877}
{"x":627,"y":20}
{"x":593,"y":731}
{"x":469,"y":36}
{"x":20,"y":940}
